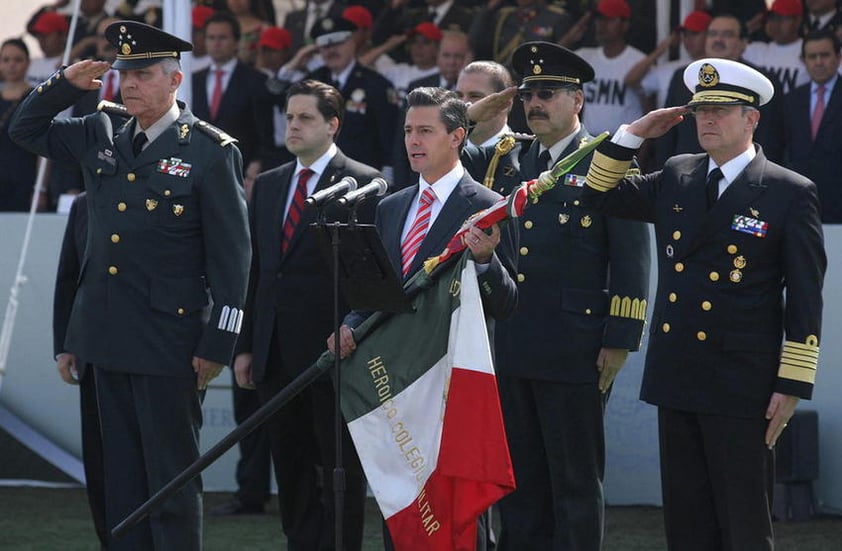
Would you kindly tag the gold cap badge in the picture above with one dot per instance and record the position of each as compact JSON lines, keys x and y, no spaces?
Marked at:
{"x":708,"y":76}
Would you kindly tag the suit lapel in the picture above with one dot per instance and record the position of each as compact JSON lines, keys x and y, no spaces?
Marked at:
{"x":281,"y":188}
{"x":736,"y":199}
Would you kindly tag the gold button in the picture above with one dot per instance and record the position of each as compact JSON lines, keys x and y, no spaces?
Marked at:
{"x":679,"y":266}
{"x":180,"y":311}
{"x":524,"y":251}
{"x":167,"y":193}
{"x":115,"y":238}
{"x":112,"y":270}
{"x":673,"y":297}
{"x":528,"y":224}
{"x":576,"y":202}
{"x":99,"y":171}
{"x":666,"y":327}
{"x":131,"y":177}
{"x":121,"y":206}
{"x":714,"y":276}
{"x":40,"y":89}
{"x":676,"y":235}
{"x":706,"y":305}
{"x":520,"y":278}
{"x":588,"y":311}
{"x":702,"y":336}
{"x":732,"y":249}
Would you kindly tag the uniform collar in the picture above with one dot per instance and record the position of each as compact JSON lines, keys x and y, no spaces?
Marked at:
{"x":158,"y":127}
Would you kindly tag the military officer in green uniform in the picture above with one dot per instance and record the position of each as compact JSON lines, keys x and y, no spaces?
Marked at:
{"x":583,"y":281}
{"x":728,"y":358}
{"x":168,"y":234}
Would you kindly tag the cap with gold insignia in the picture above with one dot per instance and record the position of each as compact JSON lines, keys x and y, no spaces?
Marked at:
{"x":140,"y":45}
{"x":715,"y":81}
{"x":332,"y":30}
{"x":549,"y":65}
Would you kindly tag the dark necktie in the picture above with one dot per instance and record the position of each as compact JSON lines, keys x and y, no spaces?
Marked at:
{"x":712,"y":186}
{"x":295,"y":208}
{"x":137,"y":143}
{"x":544,"y":160}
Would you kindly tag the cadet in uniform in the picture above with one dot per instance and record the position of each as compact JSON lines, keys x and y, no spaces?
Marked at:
{"x":582,"y":277}
{"x":734,"y":231}
{"x":167,"y":230}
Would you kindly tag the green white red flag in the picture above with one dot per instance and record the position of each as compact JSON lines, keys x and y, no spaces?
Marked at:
{"x":420,"y":398}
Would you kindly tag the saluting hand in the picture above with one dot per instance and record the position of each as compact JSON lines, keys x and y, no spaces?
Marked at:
{"x":492,"y":105}
{"x":206,"y":371}
{"x":656,"y":123}
{"x":85,"y":74}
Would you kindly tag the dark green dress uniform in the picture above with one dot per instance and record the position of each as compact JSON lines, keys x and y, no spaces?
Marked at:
{"x":168,"y":232}
{"x":583,"y":281}
{"x":722,"y":338}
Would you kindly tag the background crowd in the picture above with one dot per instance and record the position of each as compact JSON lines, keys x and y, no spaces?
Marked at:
{"x":247,"y":52}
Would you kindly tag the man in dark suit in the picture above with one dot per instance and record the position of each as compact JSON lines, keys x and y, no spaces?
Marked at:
{"x":814,"y":138}
{"x":290,"y":307}
{"x":71,"y":369}
{"x":727,"y":37}
{"x":418,"y":221}
{"x":233,"y":96}
{"x":371,"y":102}
{"x":167,"y":232}
{"x":821,"y":15}
{"x":580,"y":274}
{"x":734,"y":232}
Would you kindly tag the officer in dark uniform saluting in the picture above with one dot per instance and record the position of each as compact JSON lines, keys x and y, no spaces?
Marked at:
{"x":583,"y":279}
{"x":167,"y":231}
{"x":728,"y":359}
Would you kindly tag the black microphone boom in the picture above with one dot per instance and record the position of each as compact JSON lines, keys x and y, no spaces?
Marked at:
{"x":346,"y":184}
{"x":376,"y":188}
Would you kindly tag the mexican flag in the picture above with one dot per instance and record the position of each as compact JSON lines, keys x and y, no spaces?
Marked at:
{"x":420,"y":398}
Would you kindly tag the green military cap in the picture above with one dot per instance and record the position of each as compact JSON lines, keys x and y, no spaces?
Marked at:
{"x":140,"y":45}
{"x":549,"y":65}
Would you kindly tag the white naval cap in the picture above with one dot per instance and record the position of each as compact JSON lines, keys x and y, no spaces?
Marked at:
{"x":716,"y":81}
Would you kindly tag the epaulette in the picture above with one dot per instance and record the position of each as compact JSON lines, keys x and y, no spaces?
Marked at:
{"x":522,"y":137}
{"x":217,"y":134}
{"x":556,"y":9}
{"x":113,"y":108}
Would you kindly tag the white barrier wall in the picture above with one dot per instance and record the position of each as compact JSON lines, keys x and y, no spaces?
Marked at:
{"x":33,"y":391}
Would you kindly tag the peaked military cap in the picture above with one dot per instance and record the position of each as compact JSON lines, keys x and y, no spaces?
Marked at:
{"x":715,"y":81}
{"x":140,"y":45}
{"x":332,"y":30}
{"x":550,"y":65}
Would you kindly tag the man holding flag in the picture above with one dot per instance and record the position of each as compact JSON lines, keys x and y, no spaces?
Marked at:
{"x":445,"y":460}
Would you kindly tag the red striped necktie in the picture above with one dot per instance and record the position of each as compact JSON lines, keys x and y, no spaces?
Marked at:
{"x":418,"y":231}
{"x":295,"y":208}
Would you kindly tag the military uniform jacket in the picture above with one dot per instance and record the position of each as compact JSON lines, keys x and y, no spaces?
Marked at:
{"x":291,"y":295}
{"x":719,"y":316}
{"x":167,"y":231}
{"x":583,"y":281}
{"x":495,"y":34}
{"x":371,"y":108}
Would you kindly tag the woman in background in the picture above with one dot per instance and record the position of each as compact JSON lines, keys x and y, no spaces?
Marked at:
{"x":18,"y":175}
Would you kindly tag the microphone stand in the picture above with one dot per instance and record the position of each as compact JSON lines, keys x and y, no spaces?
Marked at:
{"x":339,"y":469}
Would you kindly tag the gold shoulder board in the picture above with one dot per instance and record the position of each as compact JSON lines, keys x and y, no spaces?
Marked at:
{"x":217,"y":134}
{"x":113,"y":108}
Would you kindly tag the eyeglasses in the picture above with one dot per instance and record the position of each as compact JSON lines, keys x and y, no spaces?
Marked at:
{"x":543,"y":94}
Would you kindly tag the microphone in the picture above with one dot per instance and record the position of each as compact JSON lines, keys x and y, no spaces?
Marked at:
{"x":346,"y":184}
{"x":376,"y":188}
